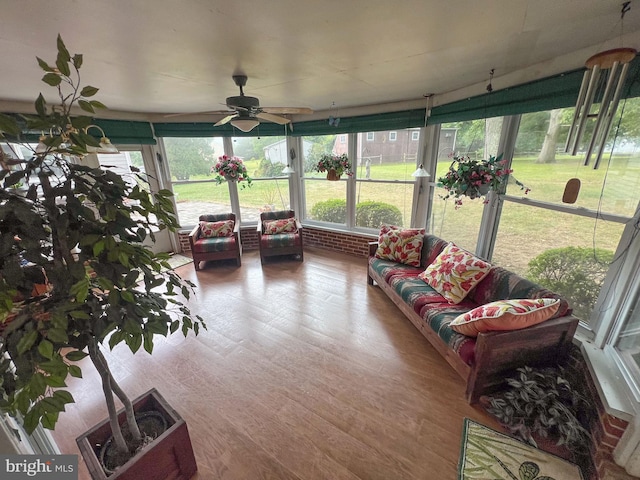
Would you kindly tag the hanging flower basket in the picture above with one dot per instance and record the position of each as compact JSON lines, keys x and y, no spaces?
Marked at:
{"x":231,"y":169}
{"x":333,"y":175}
{"x":475,"y":178}
{"x":334,"y":165}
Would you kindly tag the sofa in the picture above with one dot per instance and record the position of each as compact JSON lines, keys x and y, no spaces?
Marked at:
{"x":481,"y":361}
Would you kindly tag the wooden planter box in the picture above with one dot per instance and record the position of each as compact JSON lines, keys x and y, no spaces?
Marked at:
{"x":170,"y":456}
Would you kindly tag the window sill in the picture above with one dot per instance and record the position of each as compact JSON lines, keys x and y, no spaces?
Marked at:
{"x":609,"y":382}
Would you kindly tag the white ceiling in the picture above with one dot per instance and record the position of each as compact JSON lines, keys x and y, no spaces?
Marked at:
{"x":168,"y":56}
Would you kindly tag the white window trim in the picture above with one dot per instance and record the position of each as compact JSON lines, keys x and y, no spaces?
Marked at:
{"x":394,"y":135}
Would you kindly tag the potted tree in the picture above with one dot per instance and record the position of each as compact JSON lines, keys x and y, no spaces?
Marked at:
{"x":75,"y":273}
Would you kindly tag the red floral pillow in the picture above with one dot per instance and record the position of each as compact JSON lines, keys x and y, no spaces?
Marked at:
{"x":505,"y":315}
{"x":223,"y":228}
{"x":285,"y":225}
{"x":455,"y":272}
{"x":400,"y":245}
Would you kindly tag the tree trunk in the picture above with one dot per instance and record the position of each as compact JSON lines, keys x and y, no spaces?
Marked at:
{"x":126,"y":402}
{"x":548,"y":151}
{"x":105,"y":375}
{"x":492,"y":129}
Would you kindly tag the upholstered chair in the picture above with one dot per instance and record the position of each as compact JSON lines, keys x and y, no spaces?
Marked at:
{"x":216,"y":237}
{"x":279,"y":233}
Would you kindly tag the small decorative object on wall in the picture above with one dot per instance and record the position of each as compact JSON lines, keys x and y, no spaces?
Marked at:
{"x":231,"y":169}
{"x":334,"y":165}
{"x":474,"y":178}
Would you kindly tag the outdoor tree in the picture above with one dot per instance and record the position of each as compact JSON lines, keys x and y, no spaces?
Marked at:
{"x":189,"y":156}
{"x":550,"y":144}
{"x":320,"y":145}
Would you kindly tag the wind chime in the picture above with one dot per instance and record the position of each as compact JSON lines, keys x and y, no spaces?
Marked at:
{"x":602,"y":83}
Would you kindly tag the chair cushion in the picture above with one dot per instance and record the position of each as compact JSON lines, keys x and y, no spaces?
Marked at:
{"x":222,"y":228}
{"x":281,"y":240}
{"x":214,"y":244}
{"x":505,"y":315}
{"x":283,"y":225}
{"x":400,"y":245}
{"x":455,"y":272}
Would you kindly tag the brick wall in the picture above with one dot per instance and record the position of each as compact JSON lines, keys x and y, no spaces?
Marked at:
{"x":349,"y":243}
{"x":606,"y":429}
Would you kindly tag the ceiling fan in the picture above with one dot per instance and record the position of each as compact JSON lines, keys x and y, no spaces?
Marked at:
{"x":245,"y":112}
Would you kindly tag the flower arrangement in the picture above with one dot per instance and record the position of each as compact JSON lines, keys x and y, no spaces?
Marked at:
{"x":339,"y":163}
{"x":231,"y":168}
{"x":474,"y":178}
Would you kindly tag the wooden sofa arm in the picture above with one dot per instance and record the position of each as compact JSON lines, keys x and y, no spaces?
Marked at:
{"x":373,"y":246}
{"x":499,"y":352}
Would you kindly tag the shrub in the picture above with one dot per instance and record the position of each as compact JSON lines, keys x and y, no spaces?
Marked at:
{"x":334,"y":210}
{"x":373,"y":214}
{"x":576,"y":273}
{"x":368,"y":214}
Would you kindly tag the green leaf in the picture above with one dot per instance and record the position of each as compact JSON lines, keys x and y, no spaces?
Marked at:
{"x":31,"y":421}
{"x":52,"y":79}
{"x":127,"y":296}
{"x":148,"y":342}
{"x":27,"y":341}
{"x":86,"y":106}
{"x":63,"y":396}
{"x":62,"y":49}
{"x":63,"y":65}
{"x":75,"y":371}
{"x":41,"y":106}
{"x":55,"y":367}
{"x":98,"y":247}
{"x":9,"y":125}
{"x":45,"y":348}
{"x":55,"y":381}
{"x":89,"y":91}
{"x":49,"y":420}
{"x":174,"y":326}
{"x":57,"y":335}
{"x":44,"y":65}
{"x":134,"y":342}
{"x":76,"y":355}
{"x":97,"y":104}
{"x":77,"y":60}
{"x":37,"y":385}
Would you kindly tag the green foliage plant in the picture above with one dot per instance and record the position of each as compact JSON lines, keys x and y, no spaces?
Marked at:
{"x":82,"y":229}
{"x":369,"y":214}
{"x":576,"y":273}
{"x":339,"y":163}
{"x":541,"y":401}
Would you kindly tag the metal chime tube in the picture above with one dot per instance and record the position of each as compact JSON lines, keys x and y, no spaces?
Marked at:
{"x":576,"y":113}
{"x":612,"y":111}
{"x":603,"y":111}
{"x":584,"y":113}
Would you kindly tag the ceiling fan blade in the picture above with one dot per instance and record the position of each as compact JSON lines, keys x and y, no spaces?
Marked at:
{"x":209,"y":112}
{"x":226,"y":119}
{"x":272,"y":118}
{"x":288,"y":110}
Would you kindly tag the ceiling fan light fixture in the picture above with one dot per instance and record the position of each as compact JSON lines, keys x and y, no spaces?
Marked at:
{"x":245,"y":124}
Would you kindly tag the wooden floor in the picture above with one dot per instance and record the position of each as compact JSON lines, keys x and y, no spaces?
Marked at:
{"x":305,"y":372}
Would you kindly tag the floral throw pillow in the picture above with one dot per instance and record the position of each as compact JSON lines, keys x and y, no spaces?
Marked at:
{"x":505,"y":315}
{"x":284,"y":225}
{"x":455,"y":272}
{"x":223,"y":228}
{"x":400,"y":245}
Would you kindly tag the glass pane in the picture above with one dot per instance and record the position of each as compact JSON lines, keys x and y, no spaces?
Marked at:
{"x":325,"y":200}
{"x":477,"y":139}
{"x":556,"y":250}
{"x":264,"y":157}
{"x":628,"y":343}
{"x":541,"y":164}
{"x":385,"y":155}
{"x":196,"y":192}
{"x":378,"y":203}
{"x":263,"y":196}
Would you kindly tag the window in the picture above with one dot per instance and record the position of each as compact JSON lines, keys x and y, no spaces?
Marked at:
{"x":371,"y":136}
{"x":393,"y":136}
{"x":565,"y":247}
{"x":196,"y":192}
{"x":342,"y":138}
{"x":415,"y":135}
{"x":476,"y":139}
{"x":324,"y":201}
{"x":265,"y":158}
{"x":384,"y":186}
